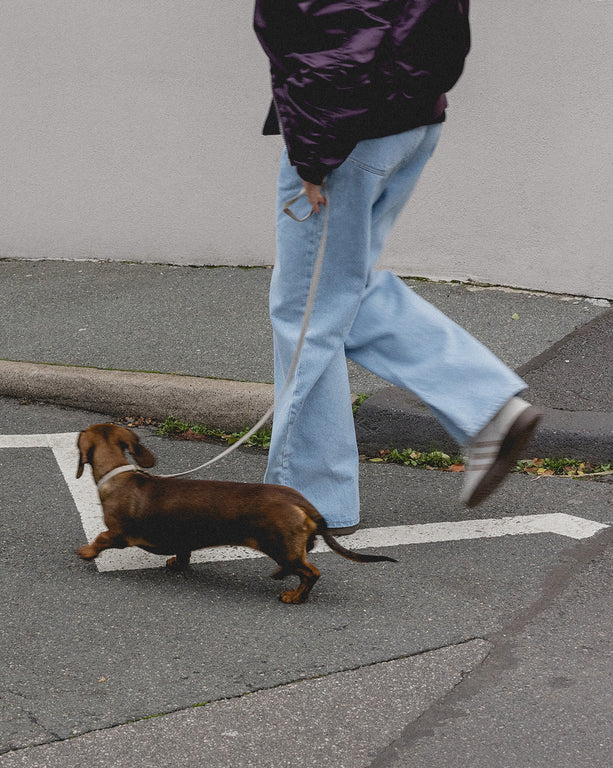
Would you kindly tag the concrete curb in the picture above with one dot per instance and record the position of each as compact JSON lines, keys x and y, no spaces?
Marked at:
{"x":229,"y":405}
{"x":392,"y":418}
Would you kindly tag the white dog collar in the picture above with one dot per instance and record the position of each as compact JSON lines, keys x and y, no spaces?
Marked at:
{"x":116,"y":471}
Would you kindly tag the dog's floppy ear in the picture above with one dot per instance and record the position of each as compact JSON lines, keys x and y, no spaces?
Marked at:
{"x":141,"y":455}
{"x":84,"y":444}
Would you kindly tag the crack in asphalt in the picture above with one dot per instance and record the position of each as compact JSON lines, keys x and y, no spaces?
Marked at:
{"x":55,"y":738}
{"x":501,"y":657}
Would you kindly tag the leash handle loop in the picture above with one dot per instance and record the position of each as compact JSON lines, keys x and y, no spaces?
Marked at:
{"x":287,"y":208}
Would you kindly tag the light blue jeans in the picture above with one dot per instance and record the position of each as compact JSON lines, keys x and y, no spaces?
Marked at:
{"x":369,"y":316}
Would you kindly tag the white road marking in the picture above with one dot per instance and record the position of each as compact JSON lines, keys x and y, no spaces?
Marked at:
{"x":83,"y":491}
{"x":85,"y":495}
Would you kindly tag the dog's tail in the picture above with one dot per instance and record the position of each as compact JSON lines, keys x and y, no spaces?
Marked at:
{"x":322,"y":530}
{"x":349,"y":554}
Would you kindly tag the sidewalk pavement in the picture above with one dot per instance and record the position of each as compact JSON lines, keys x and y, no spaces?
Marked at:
{"x":195,"y":343}
{"x":476,"y":653}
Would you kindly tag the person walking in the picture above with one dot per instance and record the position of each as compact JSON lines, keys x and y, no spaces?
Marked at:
{"x":359,"y":97}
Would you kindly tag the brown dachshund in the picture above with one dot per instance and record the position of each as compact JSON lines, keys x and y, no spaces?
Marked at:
{"x":170,"y":516}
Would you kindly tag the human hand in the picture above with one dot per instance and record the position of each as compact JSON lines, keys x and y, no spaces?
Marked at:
{"x":314,"y":195}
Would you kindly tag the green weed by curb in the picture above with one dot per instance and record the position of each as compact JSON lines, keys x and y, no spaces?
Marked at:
{"x":358,"y":402}
{"x":174,"y":428}
{"x":547,"y":467}
{"x":437,"y":460}
{"x":562,"y":467}
{"x":423,"y":459}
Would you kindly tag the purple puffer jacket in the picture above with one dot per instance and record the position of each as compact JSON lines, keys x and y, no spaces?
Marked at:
{"x":346,"y":71}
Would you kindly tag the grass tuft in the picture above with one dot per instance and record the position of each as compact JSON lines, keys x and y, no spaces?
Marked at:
{"x":172,"y":427}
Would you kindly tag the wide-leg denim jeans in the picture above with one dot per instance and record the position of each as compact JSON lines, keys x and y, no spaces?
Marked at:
{"x":369,"y":316}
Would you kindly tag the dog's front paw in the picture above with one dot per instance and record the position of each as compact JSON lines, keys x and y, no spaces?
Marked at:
{"x":177,"y":565}
{"x":293,"y":596}
{"x":87,"y":552}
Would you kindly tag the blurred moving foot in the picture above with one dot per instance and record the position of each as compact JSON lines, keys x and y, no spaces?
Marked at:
{"x":495,"y":449}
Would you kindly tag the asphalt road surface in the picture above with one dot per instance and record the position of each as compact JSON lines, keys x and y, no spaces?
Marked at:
{"x":487,"y":644}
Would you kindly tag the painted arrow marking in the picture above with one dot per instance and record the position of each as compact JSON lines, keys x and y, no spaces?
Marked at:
{"x":86,"y":500}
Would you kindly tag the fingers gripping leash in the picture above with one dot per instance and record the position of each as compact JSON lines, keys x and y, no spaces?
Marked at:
{"x":305,"y":324}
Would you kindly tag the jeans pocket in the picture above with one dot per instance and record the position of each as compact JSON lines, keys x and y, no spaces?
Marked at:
{"x":366,"y":166}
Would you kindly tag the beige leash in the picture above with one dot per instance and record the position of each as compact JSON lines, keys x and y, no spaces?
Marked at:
{"x":305,"y":324}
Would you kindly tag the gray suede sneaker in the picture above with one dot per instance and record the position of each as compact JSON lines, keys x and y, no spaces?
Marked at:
{"x":495,"y":449}
{"x":344,"y":531}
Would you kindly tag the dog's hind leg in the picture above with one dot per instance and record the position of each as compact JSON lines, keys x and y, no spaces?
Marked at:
{"x":180,"y":562}
{"x":292,"y":564}
{"x":308,"y":575}
{"x":288,"y":546}
{"x":104,"y":540}
{"x":280,"y":574}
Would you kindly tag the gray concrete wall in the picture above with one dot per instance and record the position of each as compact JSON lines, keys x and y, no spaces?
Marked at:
{"x":130,"y":129}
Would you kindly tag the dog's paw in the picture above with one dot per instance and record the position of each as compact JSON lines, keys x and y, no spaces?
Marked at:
{"x":87,"y":552}
{"x":293,"y":596}
{"x":177,"y":566}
